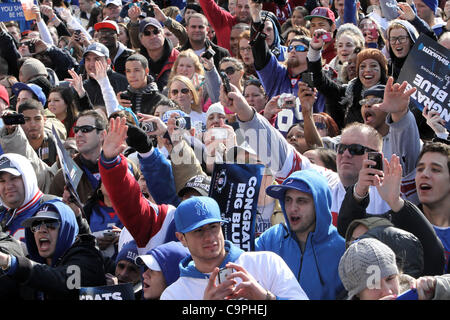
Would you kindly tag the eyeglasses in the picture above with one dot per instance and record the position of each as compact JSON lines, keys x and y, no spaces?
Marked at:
{"x":174,"y":92}
{"x":298,"y":48}
{"x":85,"y":129}
{"x":353,"y":149}
{"x":229,"y":71}
{"x":245,"y":49}
{"x":400,"y":39}
{"x":150,"y":32}
{"x":371,"y":101}
{"x":49,"y":225}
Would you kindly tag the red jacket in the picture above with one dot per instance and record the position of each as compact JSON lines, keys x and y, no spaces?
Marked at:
{"x":221,"y":21}
{"x":143,"y":219}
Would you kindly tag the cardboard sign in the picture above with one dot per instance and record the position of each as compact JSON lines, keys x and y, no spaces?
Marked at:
{"x":235,"y":187}
{"x":116,"y":292}
{"x":427,"y":68}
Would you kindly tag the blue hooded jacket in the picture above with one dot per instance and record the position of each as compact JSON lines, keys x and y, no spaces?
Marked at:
{"x":317,"y":267}
{"x":68,"y":232}
{"x":188,"y":269}
{"x":276,"y":47}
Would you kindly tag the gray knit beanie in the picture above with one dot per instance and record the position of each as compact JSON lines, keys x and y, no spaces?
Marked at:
{"x":32,"y":68}
{"x":364,"y":264}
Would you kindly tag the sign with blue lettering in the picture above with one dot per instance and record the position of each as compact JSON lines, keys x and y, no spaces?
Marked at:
{"x":235,"y":187}
{"x":11,"y":11}
{"x":116,"y":292}
{"x":427,"y":68}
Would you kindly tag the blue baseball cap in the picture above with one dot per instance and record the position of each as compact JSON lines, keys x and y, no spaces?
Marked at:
{"x":19,"y":86}
{"x":196,"y":212}
{"x":98,"y":49}
{"x":166,"y":115}
{"x":278,"y":191}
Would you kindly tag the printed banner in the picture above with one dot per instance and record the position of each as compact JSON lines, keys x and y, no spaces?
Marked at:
{"x":235,"y":187}
{"x":117,"y":292}
{"x":427,"y":68}
{"x":11,"y":11}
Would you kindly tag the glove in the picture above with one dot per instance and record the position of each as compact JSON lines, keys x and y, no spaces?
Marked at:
{"x":138,"y":139}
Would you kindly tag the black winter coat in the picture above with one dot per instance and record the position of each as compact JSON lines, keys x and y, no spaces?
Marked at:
{"x":55,"y":282}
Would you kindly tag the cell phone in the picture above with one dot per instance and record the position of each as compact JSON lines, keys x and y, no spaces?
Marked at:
{"x":124,"y":96}
{"x":223,"y":274}
{"x":378,"y":158}
{"x":219,"y":133}
{"x":326,"y":37}
{"x":411,"y":294}
{"x":208,"y":53}
{"x":31,"y":47}
{"x":109,"y":234}
{"x":308,"y":78}
{"x":225,"y":81}
{"x":13,"y":118}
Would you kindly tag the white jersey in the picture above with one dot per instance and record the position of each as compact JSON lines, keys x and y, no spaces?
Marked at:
{"x":268,"y":268}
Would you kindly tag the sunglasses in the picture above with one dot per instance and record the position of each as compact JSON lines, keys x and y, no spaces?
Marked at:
{"x":85,"y":129}
{"x":320,"y":125}
{"x":49,"y":225}
{"x":298,"y":48}
{"x":354,"y":149}
{"x":149,"y":33}
{"x":370,"y":102}
{"x":229,"y":71}
{"x":174,"y":92}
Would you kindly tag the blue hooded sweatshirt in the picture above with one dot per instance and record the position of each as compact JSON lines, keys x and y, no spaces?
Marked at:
{"x":68,"y":232}
{"x":275,"y":47}
{"x":188,"y":269}
{"x":317,"y":267}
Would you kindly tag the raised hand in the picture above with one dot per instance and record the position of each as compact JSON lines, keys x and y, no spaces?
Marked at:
{"x":249,"y":288}
{"x":317,"y":42}
{"x":307,"y":97}
{"x":406,"y":12}
{"x":161,"y":127}
{"x":389,"y":188}
{"x":221,"y":291}
{"x":396,"y":99}
{"x":114,"y":143}
{"x":236,"y":102}
{"x":100,"y":71}
{"x":76,"y":82}
{"x":434,"y":120}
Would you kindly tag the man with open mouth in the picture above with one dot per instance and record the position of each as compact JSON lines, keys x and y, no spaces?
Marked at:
{"x":60,"y":259}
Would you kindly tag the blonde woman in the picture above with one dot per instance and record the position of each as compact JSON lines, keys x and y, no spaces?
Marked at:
{"x":182,"y":91}
{"x":188,"y":64}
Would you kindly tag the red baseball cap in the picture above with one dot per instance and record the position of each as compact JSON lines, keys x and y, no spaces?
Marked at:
{"x":107,"y":24}
{"x":321,"y":12}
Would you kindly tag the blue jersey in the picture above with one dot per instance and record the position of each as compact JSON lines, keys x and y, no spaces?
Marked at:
{"x":13,"y":220}
{"x":444,"y":236}
{"x":103,"y":218}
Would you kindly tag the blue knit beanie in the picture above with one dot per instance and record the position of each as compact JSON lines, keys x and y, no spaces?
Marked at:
{"x":432,"y":4}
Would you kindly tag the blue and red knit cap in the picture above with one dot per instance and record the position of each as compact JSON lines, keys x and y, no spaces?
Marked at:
{"x":432,"y":4}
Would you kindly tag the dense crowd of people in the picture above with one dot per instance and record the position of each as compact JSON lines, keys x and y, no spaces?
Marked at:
{"x":115,"y":113}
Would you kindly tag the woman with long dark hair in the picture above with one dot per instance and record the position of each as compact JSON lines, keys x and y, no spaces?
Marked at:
{"x":61,"y":102}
